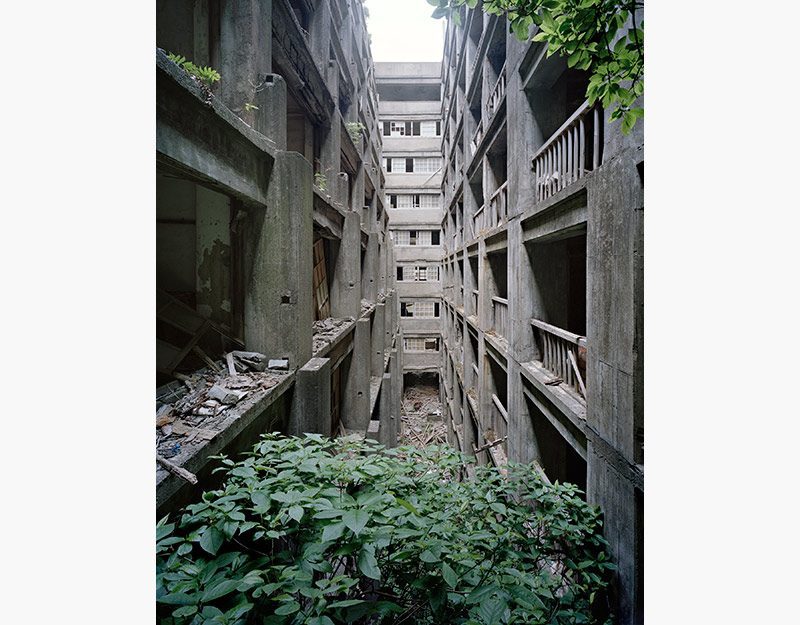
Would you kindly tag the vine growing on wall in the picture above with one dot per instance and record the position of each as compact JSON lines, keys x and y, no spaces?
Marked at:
{"x":603,"y":37}
{"x":325,"y":532}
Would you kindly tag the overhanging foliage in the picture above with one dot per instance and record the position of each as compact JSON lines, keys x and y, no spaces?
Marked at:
{"x":603,"y":37}
{"x":324,"y":532}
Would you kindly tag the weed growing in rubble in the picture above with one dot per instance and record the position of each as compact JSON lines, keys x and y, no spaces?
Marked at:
{"x":324,"y":532}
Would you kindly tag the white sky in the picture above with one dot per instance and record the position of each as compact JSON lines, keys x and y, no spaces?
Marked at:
{"x":403,"y":30}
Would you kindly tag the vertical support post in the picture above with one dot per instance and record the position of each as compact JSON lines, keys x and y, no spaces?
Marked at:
{"x":311,"y":401}
{"x":355,"y":407}
{"x":346,"y":283}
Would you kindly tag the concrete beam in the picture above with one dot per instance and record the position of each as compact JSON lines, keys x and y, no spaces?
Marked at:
{"x":378,"y":340}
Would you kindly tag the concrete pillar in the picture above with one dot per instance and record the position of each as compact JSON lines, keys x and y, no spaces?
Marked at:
{"x":311,"y":401}
{"x":270,"y":118}
{"x":387,"y":434}
{"x":278,"y":299}
{"x":355,"y":403}
{"x":339,"y":187}
{"x":245,"y":53}
{"x":378,"y":340}
{"x":321,"y":41}
{"x":346,"y":283}
{"x":369,"y":279}
{"x":389,"y":320}
{"x":213,"y":255}
{"x":396,"y":372}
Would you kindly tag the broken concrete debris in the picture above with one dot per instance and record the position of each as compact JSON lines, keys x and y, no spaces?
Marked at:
{"x":249,"y":361}
{"x":422,"y":417}
{"x":279,"y":364}
{"x":196,"y":412}
{"x":326,"y":330}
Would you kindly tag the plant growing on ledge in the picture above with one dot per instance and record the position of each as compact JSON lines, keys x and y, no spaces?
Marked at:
{"x":355,"y":129}
{"x":319,"y":531}
{"x":321,"y":182}
{"x":205,"y":75}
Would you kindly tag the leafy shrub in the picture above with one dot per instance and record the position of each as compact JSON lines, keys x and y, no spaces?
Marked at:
{"x":355,"y":129}
{"x":323,"y":532}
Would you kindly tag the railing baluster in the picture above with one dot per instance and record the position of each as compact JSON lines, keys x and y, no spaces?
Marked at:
{"x":582,"y":157}
{"x":596,"y":150}
{"x":570,"y":168}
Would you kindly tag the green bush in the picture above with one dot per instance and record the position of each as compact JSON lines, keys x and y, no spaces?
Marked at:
{"x":324,"y":532}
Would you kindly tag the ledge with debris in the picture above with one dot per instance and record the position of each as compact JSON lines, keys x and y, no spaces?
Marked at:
{"x":199,"y":417}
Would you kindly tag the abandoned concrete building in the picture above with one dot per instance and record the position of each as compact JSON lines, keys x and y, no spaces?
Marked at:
{"x":542,"y":317}
{"x":326,"y":224}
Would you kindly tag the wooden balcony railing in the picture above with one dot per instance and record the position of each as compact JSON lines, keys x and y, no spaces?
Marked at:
{"x":499,"y":420}
{"x":476,"y":137}
{"x":500,"y":315}
{"x":563,"y":353}
{"x":564,"y":157}
{"x":479,"y":220}
{"x":498,"y":204}
{"x":497,"y":94}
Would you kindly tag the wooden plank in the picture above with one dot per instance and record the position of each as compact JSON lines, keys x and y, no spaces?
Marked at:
{"x":188,"y":347}
{"x":196,"y":349}
{"x":176,"y":470}
{"x":231,"y":365}
{"x":577,"y":373}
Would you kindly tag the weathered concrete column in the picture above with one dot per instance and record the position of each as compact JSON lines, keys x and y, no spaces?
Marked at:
{"x":213,"y":255}
{"x":270,"y":117}
{"x":388,"y":325}
{"x":278,"y":298}
{"x":378,"y":340}
{"x":387,"y":434}
{"x":396,"y":373}
{"x":346,"y":283}
{"x":369,"y":278}
{"x":245,"y":53}
{"x":311,"y":402}
{"x":355,"y":404}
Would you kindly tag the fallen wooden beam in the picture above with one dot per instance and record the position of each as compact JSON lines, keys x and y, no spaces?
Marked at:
{"x":176,"y":470}
{"x":488,"y":445}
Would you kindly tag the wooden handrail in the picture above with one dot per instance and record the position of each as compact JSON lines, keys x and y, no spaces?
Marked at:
{"x":500,"y":300}
{"x":567,"y":336}
{"x":583,"y":108}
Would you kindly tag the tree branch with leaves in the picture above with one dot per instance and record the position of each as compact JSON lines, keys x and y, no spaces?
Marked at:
{"x":602,"y":37}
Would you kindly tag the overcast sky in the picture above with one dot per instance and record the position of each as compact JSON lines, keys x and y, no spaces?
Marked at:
{"x":403,"y":30}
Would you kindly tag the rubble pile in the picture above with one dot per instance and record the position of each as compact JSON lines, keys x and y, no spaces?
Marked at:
{"x":326,"y":330}
{"x":421,"y":417}
{"x":193,"y":410}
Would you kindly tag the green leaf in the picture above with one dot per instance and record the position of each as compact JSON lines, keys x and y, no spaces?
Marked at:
{"x":368,"y":565}
{"x":428,"y":556}
{"x":355,"y":520}
{"x":440,"y":12}
{"x":457,"y":18}
{"x":220,"y":590}
{"x":332,"y":531}
{"x":186,"y":610}
{"x":491,"y":610}
{"x":407,"y":506}
{"x":296,"y":512}
{"x":346,"y":603}
{"x":320,"y":620}
{"x":179,"y":598}
{"x":449,"y":575}
{"x":211,"y":540}
{"x":288,"y":608}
